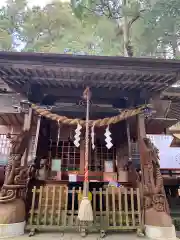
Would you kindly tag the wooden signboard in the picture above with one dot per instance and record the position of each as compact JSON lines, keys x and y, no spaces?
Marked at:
{"x":56,"y":165}
{"x":72,"y":178}
{"x":58,"y":176}
{"x":108,"y":177}
{"x":108,"y":165}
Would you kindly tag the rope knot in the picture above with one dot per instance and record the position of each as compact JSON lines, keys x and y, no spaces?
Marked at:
{"x":87,"y":94}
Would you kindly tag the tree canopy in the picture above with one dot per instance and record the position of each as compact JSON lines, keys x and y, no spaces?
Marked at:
{"x":97,"y":27}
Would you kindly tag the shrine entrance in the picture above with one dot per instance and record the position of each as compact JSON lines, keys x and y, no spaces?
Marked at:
{"x":55,"y":199}
{"x":102,"y":139}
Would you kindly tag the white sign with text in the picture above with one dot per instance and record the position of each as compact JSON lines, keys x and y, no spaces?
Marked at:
{"x":169,"y":156}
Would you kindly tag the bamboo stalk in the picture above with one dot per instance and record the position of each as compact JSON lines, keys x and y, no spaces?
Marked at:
{"x":126,"y":206}
{"x":107,"y":206}
{"x":85,"y":212}
{"x":39,"y":205}
{"x":72,"y":209}
{"x":53,"y":205}
{"x":46,"y":205}
{"x":86,"y":182}
{"x":60,"y":203}
{"x":33,"y":205}
{"x":113,"y":207}
{"x":120,"y":207}
{"x":94,"y":204}
{"x":132,"y":206}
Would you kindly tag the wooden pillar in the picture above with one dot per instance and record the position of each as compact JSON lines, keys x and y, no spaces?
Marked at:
{"x":141,"y":130}
{"x":129,"y":141}
{"x":141,"y":126}
{"x":27,"y":126}
{"x":27,"y":119}
{"x":37,"y":135}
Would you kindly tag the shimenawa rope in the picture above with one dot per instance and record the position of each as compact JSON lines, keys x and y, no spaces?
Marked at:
{"x":97,"y":123}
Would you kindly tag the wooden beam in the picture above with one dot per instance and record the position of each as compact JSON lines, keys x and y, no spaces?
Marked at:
{"x":103,"y":93}
{"x":171,"y":94}
{"x":92,"y":80}
{"x":27,"y":126}
{"x":80,"y":109}
{"x":141,"y":126}
{"x":79,"y":75}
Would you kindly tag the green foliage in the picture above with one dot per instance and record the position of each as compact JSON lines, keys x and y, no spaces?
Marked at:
{"x":154,"y":29}
{"x":54,"y":28}
{"x":92,"y":27}
{"x":161,"y":29}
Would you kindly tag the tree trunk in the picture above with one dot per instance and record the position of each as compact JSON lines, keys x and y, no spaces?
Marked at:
{"x":175,"y":47}
{"x":128,"y":51}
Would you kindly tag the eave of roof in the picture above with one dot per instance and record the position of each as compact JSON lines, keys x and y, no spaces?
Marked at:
{"x":172,"y":93}
{"x":57,"y":70}
{"x":175,"y":129}
{"x":176,"y":141}
{"x":157,"y":125}
{"x":14,"y":119}
{"x":174,"y":112}
{"x":88,"y":60}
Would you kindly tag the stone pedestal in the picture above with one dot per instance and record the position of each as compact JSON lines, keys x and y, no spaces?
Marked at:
{"x":158,"y":225}
{"x":160,"y":233}
{"x":11,"y":230}
{"x":12,"y":219}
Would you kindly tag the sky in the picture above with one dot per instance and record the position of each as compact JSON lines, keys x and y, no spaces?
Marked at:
{"x":31,"y":2}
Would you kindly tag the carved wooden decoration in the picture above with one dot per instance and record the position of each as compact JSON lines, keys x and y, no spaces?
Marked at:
{"x":13,"y":190}
{"x":155,"y":202}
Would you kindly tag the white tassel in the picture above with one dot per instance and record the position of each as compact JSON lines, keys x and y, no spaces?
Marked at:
{"x":92,"y":137}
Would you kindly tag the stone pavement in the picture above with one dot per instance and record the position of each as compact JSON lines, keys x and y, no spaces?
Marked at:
{"x":76,"y":236}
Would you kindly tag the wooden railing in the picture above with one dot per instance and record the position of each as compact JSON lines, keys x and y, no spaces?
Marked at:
{"x":56,"y":207}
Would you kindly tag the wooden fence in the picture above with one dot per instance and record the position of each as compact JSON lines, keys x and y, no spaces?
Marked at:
{"x":56,"y":207}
